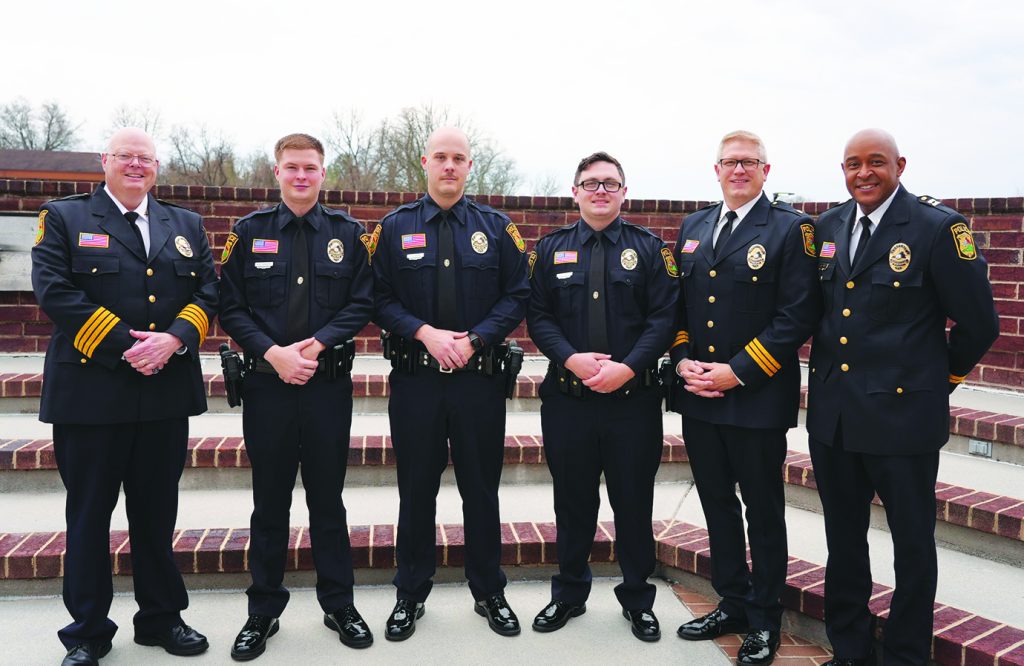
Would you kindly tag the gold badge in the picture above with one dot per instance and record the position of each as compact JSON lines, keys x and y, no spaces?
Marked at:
{"x":335,"y":250}
{"x":756,"y":256}
{"x":807,"y":230}
{"x":228,"y":246}
{"x":670,"y":262}
{"x":899,"y":257}
{"x":479,"y":242}
{"x":41,"y":229}
{"x":516,"y":237}
{"x":530,"y":262}
{"x":628,"y":259}
{"x":964,"y":241}
{"x":184,"y":249}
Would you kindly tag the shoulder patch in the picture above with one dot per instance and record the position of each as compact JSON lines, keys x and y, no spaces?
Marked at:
{"x":964,"y":241}
{"x":807,"y":231}
{"x":516,"y":237}
{"x":370,"y":241}
{"x":41,"y":229}
{"x":670,"y":262}
{"x":229,"y":245}
{"x":530,"y":263}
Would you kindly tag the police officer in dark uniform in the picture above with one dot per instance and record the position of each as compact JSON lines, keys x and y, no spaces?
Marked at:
{"x":130,"y":286}
{"x":893,"y":268}
{"x":747,"y":268}
{"x":450,"y":284}
{"x":296,"y":287}
{"x":603,"y":299}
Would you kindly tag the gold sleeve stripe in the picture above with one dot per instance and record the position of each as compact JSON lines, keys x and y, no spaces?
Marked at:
{"x":194,"y":315}
{"x":94,"y":330}
{"x":957,"y":379}
{"x":761,"y":356}
{"x":682,"y":337}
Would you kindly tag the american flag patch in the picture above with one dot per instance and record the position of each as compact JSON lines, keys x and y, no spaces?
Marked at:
{"x":690,"y":245}
{"x":93,"y":240}
{"x":409,"y":241}
{"x":828,"y":250}
{"x":566,"y":257}
{"x":264,"y":246}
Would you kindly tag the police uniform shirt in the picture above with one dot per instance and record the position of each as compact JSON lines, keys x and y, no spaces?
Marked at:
{"x":882,"y":364}
{"x":96,"y":284}
{"x":490,"y":269}
{"x":256,"y":275}
{"x":642,"y":289}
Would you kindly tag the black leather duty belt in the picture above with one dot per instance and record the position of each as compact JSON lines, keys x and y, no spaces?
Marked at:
{"x":570,"y":384}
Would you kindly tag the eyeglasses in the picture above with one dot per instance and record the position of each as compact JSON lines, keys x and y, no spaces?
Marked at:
{"x":610,"y":186}
{"x":128,"y":158}
{"x":748,"y":164}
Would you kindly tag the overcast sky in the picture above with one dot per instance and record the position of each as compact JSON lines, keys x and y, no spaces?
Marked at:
{"x":654,"y":83}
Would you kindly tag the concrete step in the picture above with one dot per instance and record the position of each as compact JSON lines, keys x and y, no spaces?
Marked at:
{"x":960,"y":636}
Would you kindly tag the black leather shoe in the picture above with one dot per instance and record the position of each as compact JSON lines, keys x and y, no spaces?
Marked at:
{"x":86,"y":654}
{"x":839,"y":661}
{"x":644,"y":624}
{"x":350,"y":627}
{"x":712,"y":625}
{"x":556,"y":614}
{"x":500,"y":617}
{"x":759,"y":648}
{"x":181,"y":640}
{"x":402,"y":622}
{"x":251,"y":641}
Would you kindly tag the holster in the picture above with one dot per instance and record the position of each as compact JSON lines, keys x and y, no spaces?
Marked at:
{"x":234,"y":371}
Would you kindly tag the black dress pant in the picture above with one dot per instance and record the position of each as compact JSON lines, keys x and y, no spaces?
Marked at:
{"x":428,"y":411}
{"x":847,"y":482}
{"x":289,"y":428}
{"x":621,"y":437}
{"x":722,"y":456}
{"x":95,"y":462}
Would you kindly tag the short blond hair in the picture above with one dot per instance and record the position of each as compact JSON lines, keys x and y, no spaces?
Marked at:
{"x":298,"y":142}
{"x":744,"y":135}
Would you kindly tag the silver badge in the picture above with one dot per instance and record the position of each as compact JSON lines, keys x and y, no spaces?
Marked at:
{"x":899,"y":257}
{"x":335,"y":250}
{"x":184,"y":248}
{"x":479,"y":242}
{"x":628,"y":259}
{"x":756,"y":256}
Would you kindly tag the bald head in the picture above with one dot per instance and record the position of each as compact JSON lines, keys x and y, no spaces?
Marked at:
{"x":447,"y":164}
{"x":878,"y":137}
{"x":872,"y":166}
{"x":131,"y":135}
{"x":449,"y":136}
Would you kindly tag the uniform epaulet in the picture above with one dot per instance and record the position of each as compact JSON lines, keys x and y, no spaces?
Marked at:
{"x":932,"y":202}
{"x":172,"y":205}
{"x":837,"y":205}
{"x":484,"y":208}
{"x":257,"y":213}
{"x":640,"y":228}
{"x":72,"y":197}
{"x":710,"y":205}
{"x":778,"y":204}
{"x":334,"y":212}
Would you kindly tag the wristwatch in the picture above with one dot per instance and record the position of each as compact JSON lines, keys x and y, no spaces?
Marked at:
{"x":476,"y":341}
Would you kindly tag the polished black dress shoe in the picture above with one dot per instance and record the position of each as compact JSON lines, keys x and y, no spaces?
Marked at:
{"x":556,"y":614}
{"x":181,"y":640}
{"x":500,"y":617}
{"x":251,"y":641}
{"x":86,"y":654}
{"x":839,"y":661}
{"x":350,"y":627}
{"x":759,"y":648}
{"x":712,"y":625}
{"x":402,"y":622}
{"x":643,"y":623}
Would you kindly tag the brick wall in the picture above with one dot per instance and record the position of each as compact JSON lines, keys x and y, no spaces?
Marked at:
{"x":998,"y":224}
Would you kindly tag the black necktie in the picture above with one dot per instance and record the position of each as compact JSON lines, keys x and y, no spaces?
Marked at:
{"x":597,"y":323}
{"x":447,"y":317}
{"x":298,"y":291}
{"x":865,"y":235}
{"x":132,"y":216}
{"x":726,"y":231}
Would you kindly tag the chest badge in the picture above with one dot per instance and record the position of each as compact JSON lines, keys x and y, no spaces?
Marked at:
{"x":479,"y":242}
{"x":756,"y":256}
{"x":628,"y":259}
{"x":899,"y":257}
{"x":184,"y":249}
{"x":335,"y":250}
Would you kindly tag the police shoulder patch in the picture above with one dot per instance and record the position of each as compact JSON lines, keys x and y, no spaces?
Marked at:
{"x":370,"y":240}
{"x":964,"y":241}
{"x":229,"y":245}
{"x":516,"y":237}
{"x":807,"y":231}
{"x":41,"y":229}
{"x":530,"y":263}
{"x":670,"y":262}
